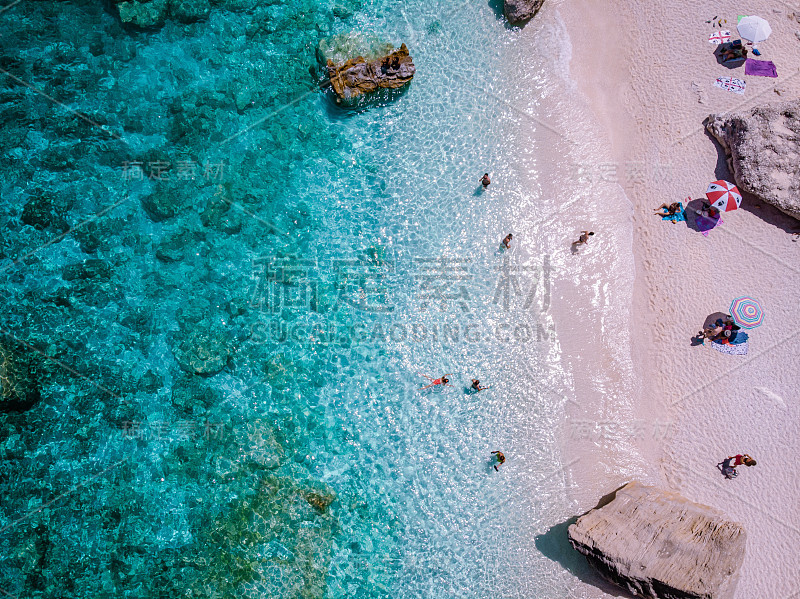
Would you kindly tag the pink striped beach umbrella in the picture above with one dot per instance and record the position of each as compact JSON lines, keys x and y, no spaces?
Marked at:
{"x":747,"y":312}
{"x":724,"y":196}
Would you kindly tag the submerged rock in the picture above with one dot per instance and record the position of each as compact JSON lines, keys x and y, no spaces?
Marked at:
{"x":262,"y":447}
{"x":143,"y":14}
{"x":204,"y":349}
{"x":659,"y":545}
{"x":763,"y":150}
{"x":175,"y":246}
{"x":19,"y":389}
{"x":92,"y":268}
{"x":192,"y":394}
{"x":519,"y":12}
{"x":357,"y":77}
{"x":321,"y":500}
{"x":40,"y":212}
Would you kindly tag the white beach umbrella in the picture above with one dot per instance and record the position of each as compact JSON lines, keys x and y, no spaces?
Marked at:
{"x":754,"y":29}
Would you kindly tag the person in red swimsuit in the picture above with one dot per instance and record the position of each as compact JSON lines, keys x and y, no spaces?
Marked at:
{"x":442,"y":380}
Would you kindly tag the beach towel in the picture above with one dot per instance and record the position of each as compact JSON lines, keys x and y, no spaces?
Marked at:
{"x":719,"y":37}
{"x":760,"y":68}
{"x":738,"y":337}
{"x":678,"y":217}
{"x":706,"y":224}
{"x":733,"y":349}
{"x":732,"y":84}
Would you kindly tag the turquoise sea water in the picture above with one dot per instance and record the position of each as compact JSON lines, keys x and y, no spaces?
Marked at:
{"x":187,"y":199}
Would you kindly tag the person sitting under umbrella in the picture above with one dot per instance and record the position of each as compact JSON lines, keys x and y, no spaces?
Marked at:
{"x":734,"y":51}
{"x":722,"y":330}
{"x":707,"y":211}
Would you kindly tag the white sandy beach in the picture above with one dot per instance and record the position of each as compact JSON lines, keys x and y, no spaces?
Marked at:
{"x":647,"y":70}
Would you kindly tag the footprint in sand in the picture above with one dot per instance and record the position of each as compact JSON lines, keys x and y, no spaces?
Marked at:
{"x":699,"y":92}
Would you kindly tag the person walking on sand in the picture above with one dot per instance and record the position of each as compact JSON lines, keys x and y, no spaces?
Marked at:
{"x":485,"y":181}
{"x":728,"y":465}
{"x":506,"y":243}
{"x":501,"y":459}
{"x":583,"y":238}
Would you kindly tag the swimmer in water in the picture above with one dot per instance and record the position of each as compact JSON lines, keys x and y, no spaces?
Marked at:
{"x":501,"y":459}
{"x":442,"y":380}
{"x":476,"y":386}
{"x":584,"y":238}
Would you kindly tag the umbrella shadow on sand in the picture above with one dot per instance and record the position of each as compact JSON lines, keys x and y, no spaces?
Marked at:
{"x":697,"y":222}
{"x":731,"y":63}
{"x":711,"y":320}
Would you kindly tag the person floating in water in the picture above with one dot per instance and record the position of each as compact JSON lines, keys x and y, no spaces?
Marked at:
{"x":583,"y":238}
{"x":501,"y":459}
{"x":476,"y":385}
{"x":507,"y":241}
{"x":442,"y":380}
{"x":485,"y":181}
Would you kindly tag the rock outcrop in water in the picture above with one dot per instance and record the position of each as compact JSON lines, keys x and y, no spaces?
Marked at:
{"x":659,"y":545}
{"x":357,"y":76}
{"x":519,"y":12}
{"x":763,"y":150}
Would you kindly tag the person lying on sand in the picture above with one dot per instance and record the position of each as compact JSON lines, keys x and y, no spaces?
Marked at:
{"x":668,"y":209}
{"x":583,"y":238}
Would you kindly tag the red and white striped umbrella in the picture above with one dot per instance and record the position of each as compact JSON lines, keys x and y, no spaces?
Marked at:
{"x":724,"y":196}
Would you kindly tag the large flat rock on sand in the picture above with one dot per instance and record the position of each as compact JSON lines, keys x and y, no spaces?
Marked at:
{"x":763,"y":151}
{"x":660,"y":545}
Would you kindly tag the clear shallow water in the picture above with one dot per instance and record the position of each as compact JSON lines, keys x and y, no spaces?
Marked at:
{"x":325,"y":259}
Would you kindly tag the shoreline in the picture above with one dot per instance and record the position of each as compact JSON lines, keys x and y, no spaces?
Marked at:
{"x":716,"y":405}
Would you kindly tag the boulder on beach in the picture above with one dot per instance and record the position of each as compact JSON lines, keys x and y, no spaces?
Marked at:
{"x":358,"y":76}
{"x":660,"y":545}
{"x":519,"y":12}
{"x":762,"y":146}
